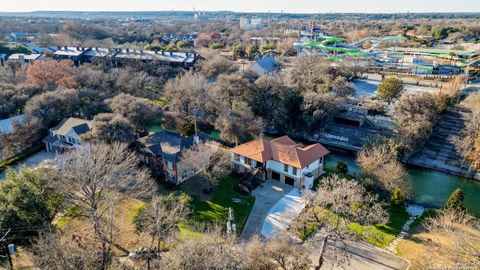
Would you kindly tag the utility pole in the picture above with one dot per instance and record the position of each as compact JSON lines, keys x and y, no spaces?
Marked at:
{"x":9,"y":257}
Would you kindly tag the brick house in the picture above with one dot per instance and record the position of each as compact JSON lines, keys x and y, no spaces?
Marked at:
{"x":162,"y":152}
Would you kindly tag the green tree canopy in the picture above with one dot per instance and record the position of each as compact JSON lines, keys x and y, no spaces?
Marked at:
{"x":390,"y":89}
{"x":455,"y":200}
{"x":28,"y":203}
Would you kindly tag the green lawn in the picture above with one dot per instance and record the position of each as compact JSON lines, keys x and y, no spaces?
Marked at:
{"x":380,"y":235}
{"x":217,"y":209}
{"x":155,"y":126}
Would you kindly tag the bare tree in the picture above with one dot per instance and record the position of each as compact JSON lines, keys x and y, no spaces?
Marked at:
{"x":337,"y":203}
{"x":50,"y":251}
{"x":415,"y":115}
{"x":161,"y":217}
{"x":217,"y":65}
{"x":463,"y":231}
{"x":209,"y":160}
{"x":210,"y":250}
{"x":277,"y":253}
{"x":188,"y":96}
{"x":469,"y":144}
{"x":90,"y":175}
{"x":378,"y":161}
{"x":139,"y":111}
{"x":109,"y":127}
{"x":237,"y":122}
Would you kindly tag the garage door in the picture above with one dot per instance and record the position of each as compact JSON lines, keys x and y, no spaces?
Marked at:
{"x":290,"y":181}
{"x":275,"y":176}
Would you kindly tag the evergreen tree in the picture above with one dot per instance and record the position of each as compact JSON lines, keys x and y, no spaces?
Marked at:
{"x":341,"y":168}
{"x":455,"y":200}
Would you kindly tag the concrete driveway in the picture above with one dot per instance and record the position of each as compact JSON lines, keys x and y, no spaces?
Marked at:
{"x":283,"y":213}
{"x":33,"y":161}
{"x":266,"y":196}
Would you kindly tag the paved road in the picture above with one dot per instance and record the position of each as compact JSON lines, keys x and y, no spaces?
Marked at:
{"x":361,"y":256}
{"x":266,"y":197}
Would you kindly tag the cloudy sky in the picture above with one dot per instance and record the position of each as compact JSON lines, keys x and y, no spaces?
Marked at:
{"x":300,"y":6}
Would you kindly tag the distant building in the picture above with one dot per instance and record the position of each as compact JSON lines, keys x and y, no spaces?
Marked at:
{"x":251,"y":23}
{"x":267,"y":66}
{"x":24,"y":58}
{"x":162,"y":152}
{"x":67,"y":134}
{"x":179,"y":59}
{"x":20,"y":37}
{"x":281,"y":159}
{"x":36,"y":49}
{"x":76,"y":54}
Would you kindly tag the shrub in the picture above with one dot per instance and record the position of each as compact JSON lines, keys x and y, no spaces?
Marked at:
{"x":455,"y":200}
{"x":397,"y":199}
{"x":341,"y":168}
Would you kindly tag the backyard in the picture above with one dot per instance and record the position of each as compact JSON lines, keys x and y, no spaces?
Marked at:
{"x":215,"y":208}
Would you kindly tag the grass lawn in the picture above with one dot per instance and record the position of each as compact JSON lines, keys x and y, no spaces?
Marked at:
{"x":155,"y":126}
{"x":216,"y":209}
{"x":380,"y":235}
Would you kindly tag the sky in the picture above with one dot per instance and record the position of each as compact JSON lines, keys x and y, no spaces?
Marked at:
{"x":293,"y":6}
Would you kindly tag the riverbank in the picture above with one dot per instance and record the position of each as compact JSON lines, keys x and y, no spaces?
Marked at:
{"x":428,"y":188}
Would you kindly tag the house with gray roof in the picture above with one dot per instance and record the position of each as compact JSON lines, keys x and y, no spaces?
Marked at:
{"x":267,"y":66}
{"x":162,"y":153}
{"x":67,"y":134}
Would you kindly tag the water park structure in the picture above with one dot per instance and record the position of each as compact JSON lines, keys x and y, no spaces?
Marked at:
{"x":423,"y":60}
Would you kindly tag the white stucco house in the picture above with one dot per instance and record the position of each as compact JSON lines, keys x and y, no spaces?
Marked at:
{"x":67,"y":134}
{"x":281,"y":159}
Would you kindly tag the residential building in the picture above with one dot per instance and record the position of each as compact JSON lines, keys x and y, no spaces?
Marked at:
{"x":251,"y":23}
{"x":162,"y":153}
{"x":267,"y":66}
{"x":20,"y":36}
{"x":24,"y":58}
{"x":281,"y":159}
{"x":76,"y":54}
{"x":67,"y":134}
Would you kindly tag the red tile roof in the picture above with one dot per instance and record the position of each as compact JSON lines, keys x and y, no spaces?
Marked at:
{"x":283,"y":150}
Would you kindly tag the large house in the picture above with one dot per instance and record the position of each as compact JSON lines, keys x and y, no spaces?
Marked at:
{"x":280,"y":159}
{"x":67,"y":134}
{"x":162,"y":152}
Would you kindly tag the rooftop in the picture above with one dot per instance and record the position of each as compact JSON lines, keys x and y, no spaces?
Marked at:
{"x":80,"y":126}
{"x":169,"y":144}
{"x":283,"y":150}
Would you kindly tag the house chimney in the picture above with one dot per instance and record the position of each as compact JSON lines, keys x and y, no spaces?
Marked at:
{"x":59,"y":47}
{"x":156,"y":51}
{"x":171,"y":53}
{"x":196,"y":139}
{"x":78,"y":48}
{"x":65,"y":47}
{"x":127,"y":50}
{"x":96,"y":49}
{"x":163,"y":52}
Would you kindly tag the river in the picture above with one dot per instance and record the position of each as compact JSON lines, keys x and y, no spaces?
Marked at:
{"x":428,"y":187}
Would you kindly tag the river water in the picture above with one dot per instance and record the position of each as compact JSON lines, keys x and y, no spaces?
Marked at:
{"x":429,"y":188}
